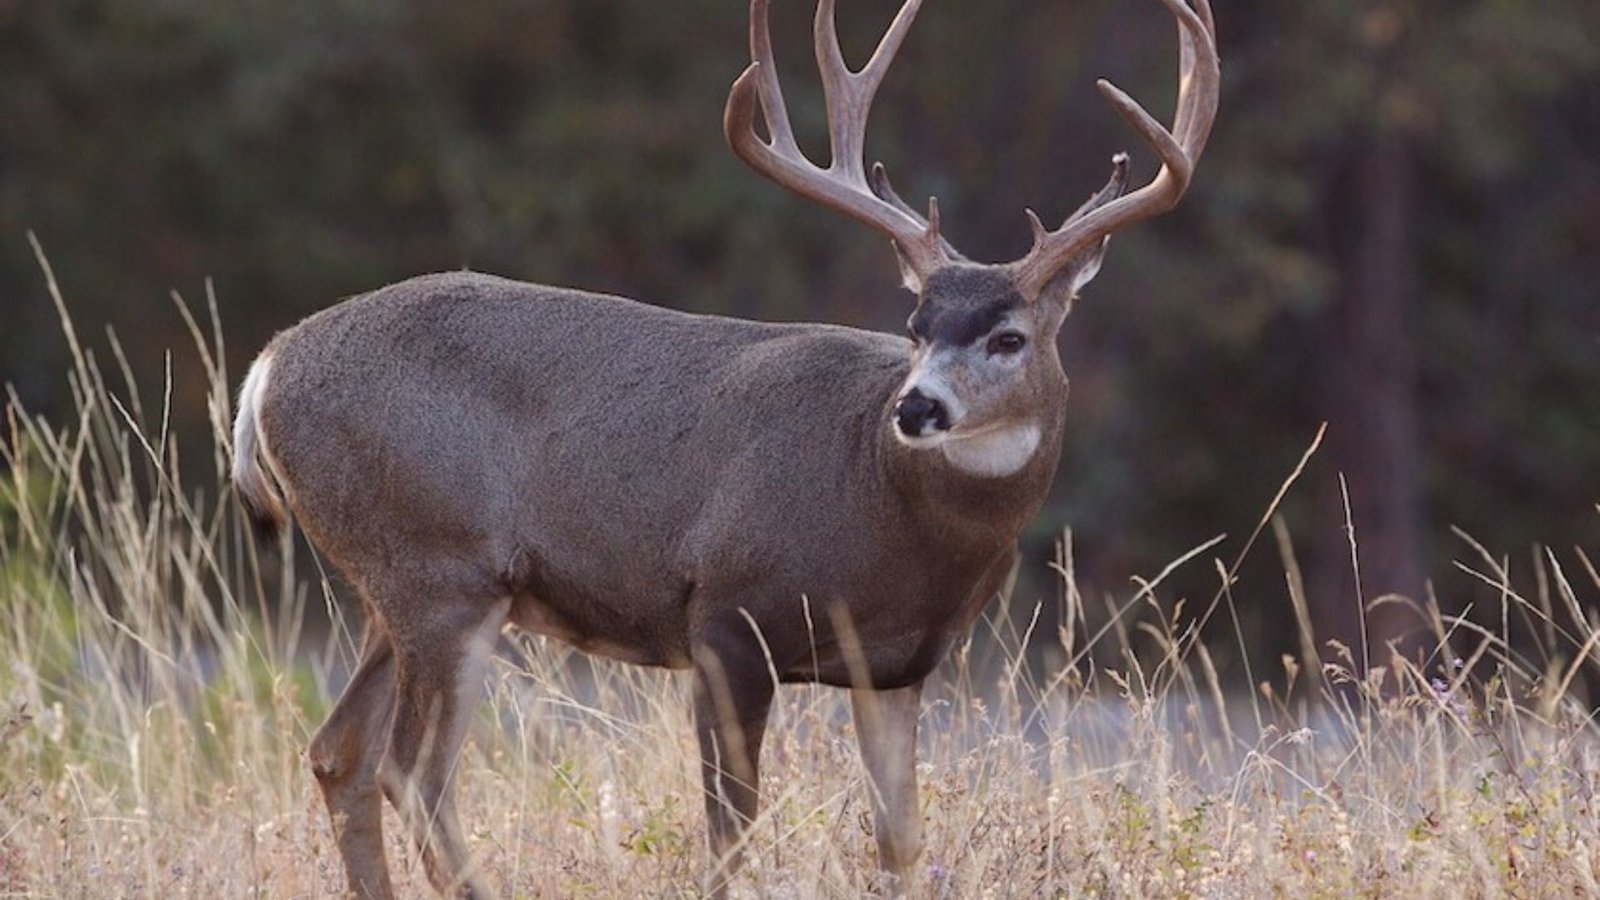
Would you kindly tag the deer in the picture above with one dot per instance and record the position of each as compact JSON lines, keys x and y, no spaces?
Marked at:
{"x":756,"y":503}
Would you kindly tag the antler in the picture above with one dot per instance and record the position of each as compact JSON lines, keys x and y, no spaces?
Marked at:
{"x":1179,"y":149}
{"x":843,"y":185}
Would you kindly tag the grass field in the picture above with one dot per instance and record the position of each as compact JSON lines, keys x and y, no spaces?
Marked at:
{"x":160,"y":676}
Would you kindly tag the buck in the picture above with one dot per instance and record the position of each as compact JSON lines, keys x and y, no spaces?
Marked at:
{"x":758,"y":503}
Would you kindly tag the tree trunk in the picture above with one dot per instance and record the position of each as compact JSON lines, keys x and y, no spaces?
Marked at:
{"x":1367,"y":376}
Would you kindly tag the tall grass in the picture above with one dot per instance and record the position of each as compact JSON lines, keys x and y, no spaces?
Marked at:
{"x":160,"y":675}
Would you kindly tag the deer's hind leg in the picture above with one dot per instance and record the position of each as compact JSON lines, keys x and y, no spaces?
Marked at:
{"x":441,"y":659}
{"x":345,"y":755}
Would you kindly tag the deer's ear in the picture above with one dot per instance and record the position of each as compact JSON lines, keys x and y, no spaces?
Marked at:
{"x":908,"y":273}
{"x":1072,"y":278}
{"x":1085,"y":267}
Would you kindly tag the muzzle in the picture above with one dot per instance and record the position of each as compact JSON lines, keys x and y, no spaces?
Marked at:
{"x":918,"y":415}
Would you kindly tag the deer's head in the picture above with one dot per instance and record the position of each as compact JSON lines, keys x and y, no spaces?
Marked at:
{"x":983,"y":335}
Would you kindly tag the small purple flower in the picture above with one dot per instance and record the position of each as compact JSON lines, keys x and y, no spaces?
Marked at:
{"x":1446,"y":697}
{"x":938,"y":872}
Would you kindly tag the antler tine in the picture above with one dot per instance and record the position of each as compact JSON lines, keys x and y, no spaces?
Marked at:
{"x":1196,"y":136}
{"x":773,"y":108}
{"x":843,"y":186}
{"x":889,"y":46}
{"x":849,"y":94}
{"x":878,"y":179}
{"x":879,"y":182}
{"x":1196,"y":45}
{"x":1114,"y":186}
{"x":1178,"y":148}
{"x":1166,"y":146}
{"x":847,"y":122}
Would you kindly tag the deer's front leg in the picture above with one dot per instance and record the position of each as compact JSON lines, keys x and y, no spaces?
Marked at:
{"x":732,"y":694}
{"x":886,"y":726}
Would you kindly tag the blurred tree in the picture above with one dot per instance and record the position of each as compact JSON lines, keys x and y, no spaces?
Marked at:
{"x":1405,"y":107}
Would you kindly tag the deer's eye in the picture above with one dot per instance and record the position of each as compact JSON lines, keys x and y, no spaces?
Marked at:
{"x":1007,"y":342}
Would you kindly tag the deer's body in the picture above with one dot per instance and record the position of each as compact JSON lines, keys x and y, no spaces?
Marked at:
{"x":517,"y":434}
{"x":756,"y":502}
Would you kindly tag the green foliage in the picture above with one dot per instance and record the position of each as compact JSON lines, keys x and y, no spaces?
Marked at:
{"x":38,"y":622}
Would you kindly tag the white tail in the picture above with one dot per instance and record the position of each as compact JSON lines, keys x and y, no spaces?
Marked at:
{"x":250,"y":478}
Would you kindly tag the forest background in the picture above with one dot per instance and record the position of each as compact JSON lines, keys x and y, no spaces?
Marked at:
{"x":1395,"y":230}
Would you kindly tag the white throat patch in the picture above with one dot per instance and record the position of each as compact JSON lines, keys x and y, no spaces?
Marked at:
{"x":993,"y":454}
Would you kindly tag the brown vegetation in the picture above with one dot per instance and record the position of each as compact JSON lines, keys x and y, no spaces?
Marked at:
{"x":160,"y":685}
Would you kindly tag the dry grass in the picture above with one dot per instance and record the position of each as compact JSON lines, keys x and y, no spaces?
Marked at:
{"x":159,"y":686}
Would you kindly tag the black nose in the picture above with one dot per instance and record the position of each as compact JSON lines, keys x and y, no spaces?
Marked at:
{"x":915,"y":410}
